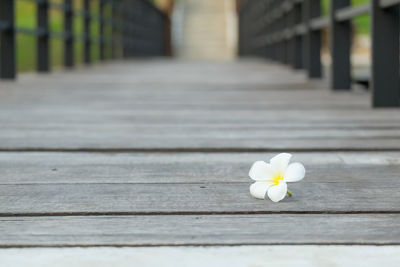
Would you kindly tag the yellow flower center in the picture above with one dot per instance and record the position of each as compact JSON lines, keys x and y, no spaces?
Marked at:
{"x":277,"y":178}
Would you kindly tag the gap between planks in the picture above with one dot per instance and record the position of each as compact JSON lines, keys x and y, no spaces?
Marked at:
{"x":208,"y":244}
{"x":198,"y":150}
{"x":190,"y":213}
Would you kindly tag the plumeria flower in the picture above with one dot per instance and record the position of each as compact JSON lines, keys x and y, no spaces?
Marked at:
{"x":271,"y":178}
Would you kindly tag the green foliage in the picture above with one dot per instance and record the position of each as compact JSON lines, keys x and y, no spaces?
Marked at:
{"x":25,"y":17}
{"x":362,"y":23}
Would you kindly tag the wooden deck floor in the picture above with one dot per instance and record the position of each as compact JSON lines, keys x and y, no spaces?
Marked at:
{"x":158,"y":152}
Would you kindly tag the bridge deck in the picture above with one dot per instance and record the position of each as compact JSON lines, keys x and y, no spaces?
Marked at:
{"x":157,"y":153}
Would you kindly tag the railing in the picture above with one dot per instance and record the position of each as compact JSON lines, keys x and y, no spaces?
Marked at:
{"x":137,"y":29}
{"x":290,"y":32}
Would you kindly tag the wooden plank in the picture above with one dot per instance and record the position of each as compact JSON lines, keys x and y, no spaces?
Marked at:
{"x":200,"y":230}
{"x":112,"y":142}
{"x":172,"y":113}
{"x":63,"y":168}
{"x":199,"y":256}
{"x":320,"y":197}
{"x":174,"y":135}
{"x":201,"y":182}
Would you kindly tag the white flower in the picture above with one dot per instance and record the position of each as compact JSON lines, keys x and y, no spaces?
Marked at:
{"x":271,"y":178}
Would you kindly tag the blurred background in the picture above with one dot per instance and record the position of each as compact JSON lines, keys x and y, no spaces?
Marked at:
{"x":201,"y":30}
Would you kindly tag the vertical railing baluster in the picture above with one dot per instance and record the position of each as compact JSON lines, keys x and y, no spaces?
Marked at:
{"x":279,"y":42}
{"x":312,"y":39}
{"x":101,"y":29}
{"x":266,"y":31}
{"x":298,"y":38}
{"x":125,"y":30}
{"x":69,"y":35}
{"x":131,"y":31}
{"x":274,"y":29}
{"x":114,"y":27}
{"x":283,"y":40}
{"x":43,"y":41}
{"x":286,"y":42}
{"x":385,"y":56}
{"x":86,"y":28}
{"x":282,"y":47}
{"x":340,"y":48}
{"x":292,"y":40}
{"x":240,"y":34}
{"x":7,"y":40}
{"x":164,"y":30}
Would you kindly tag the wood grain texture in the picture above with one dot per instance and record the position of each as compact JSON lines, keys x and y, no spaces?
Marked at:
{"x":182,"y":105}
{"x":130,"y":138}
{"x":70,"y":168}
{"x":200,"y":230}
{"x":194,"y":198}
{"x":74,"y":171}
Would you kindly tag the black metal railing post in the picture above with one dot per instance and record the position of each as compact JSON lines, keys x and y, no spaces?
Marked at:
{"x":86,"y":29}
{"x":267,"y":30}
{"x":131,"y":30}
{"x":385,"y":56}
{"x":240,"y":33}
{"x":101,"y":29}
{"x":282,"y":41}
{"x":286,"y":22}
{"x":43,"y":40}
{"x":298,"y":38}
{"x":114,"y":28}
{"x":340,"y":45}
{"x":292,"y":39}
{"x":125,"y":30}
{"x":244,"y":30}
{"x":69,"y":34}
{"x":312,"y":39}
{"x":7,"y":39}
{"x":274,"y":29}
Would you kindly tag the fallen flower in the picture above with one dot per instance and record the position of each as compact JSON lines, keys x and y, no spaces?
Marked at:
{"x":271,"y":178}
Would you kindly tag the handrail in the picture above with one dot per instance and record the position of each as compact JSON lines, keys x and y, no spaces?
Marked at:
{"x":351,"y":12}
{"x":289,"y":31}
{"x":319,"y":23}
{"x":138,"y":29}
{"x":388,"y":3}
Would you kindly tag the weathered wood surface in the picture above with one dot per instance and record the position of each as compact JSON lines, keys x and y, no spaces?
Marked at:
{"x":201,"y":229}
{"x":189,"y":106}
{"x":200,"y":256}
{"x":133,"y":152}
{"x":17,"y":168}
{"x":179,"y":198}
{"x":159,"y":138}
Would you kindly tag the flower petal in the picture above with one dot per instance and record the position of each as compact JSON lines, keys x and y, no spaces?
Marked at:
{"x":277,"y":192}
{"x":280,"y":162}
{"x":259,"y":189}
{"x":294,"y":172}
{"x":261,"y":171}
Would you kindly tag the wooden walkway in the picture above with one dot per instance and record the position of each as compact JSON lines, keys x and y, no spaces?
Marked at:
{"x":158,"y":152}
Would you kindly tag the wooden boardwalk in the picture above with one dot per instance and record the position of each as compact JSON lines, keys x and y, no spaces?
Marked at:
{"x":158,"y":152}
